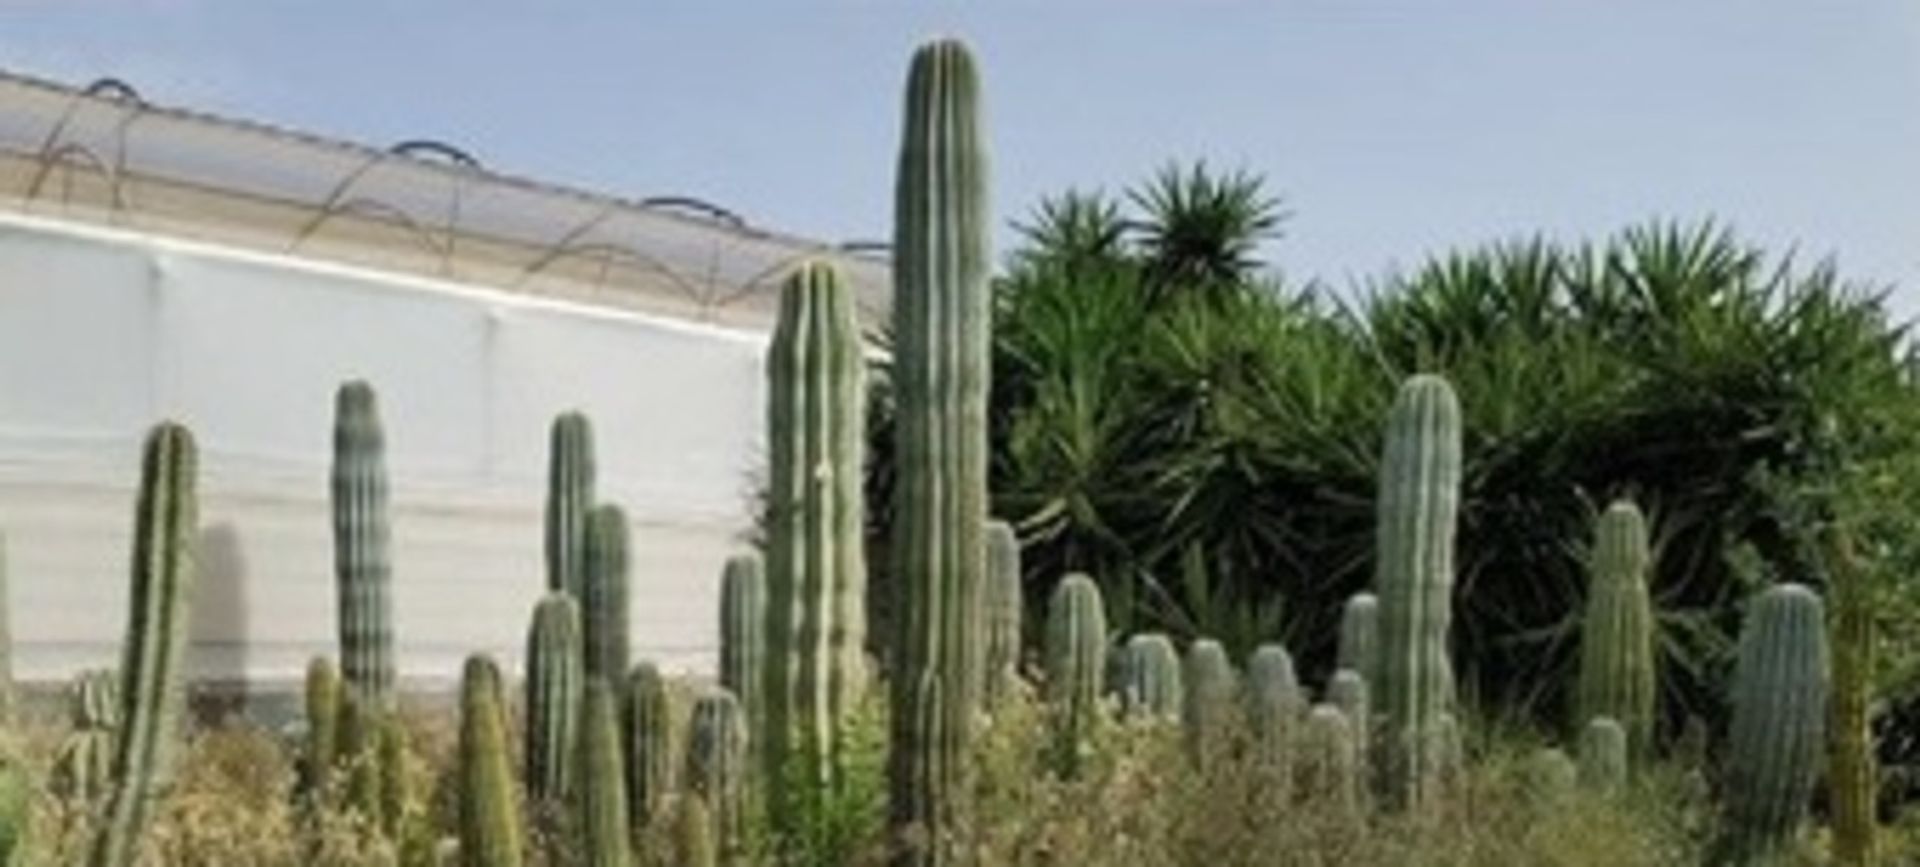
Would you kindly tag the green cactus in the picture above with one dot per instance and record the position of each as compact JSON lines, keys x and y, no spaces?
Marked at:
{"x":1348,"y":691}
{"x":1548,"y":777}
{"x":1359,"y":628}
{"x":816,"y":562}
{"x":716,"y":757}
{"x":1076,"y":661}
{"x":569,"y":500}
{"x":323,"y":728}
{"x":361,"y":563}
{"x":604,"y":594}
{"x":554,"y":678}
{"x":1330,"y":761}
{"x":743,"y":633}
{"x":600,"y":803}
{"x":1001,"y":600}
{"x":1207,"y":712}
{"x":16,"y":813}
{"x":1418,"y":505}
{"x":1150,"y":684}
{"x":83,"y":768}
{"x":152,"y":689}
{"x":942,"y":333}
{"x":1275,"y":707}
{"x":693,"y":834}
{"x":649,"y":746}
{"x":489,"y":820}
{"x":1603,"y":756}
{"x":1779,"y":722}
{"x":1616,"y":641}
{"x":94,"y":700}
{"x":359,"y":735}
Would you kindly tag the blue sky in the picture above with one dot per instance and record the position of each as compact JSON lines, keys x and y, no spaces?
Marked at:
{"x":1392,"y":130}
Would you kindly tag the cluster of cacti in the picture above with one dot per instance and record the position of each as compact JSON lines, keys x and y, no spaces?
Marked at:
{"x":816,"y":562}
{"x":1076,"y":657}
{"x":942,"y":325}
{"x":1616,"y":640}
{"x":362,"y":568}
{"x":1209,"y":703}
{"x":1779,"y":721}
{"x":82,"y":770}
{"x":716,"y":766}
{"x":490,"y":834}
{"x":649,"y":745}
{"x":1001,"y":601}
{"x":603,"y":594}
{"x":743,"y":628}
{"x":601,"y":819}
{"x":1413,"y":677}
{"x":1603,"y":755}
{"x":1150,"y":683}
{"x":570,"y":480}
{"x":152,"y":687}
{"x":554,"y":679}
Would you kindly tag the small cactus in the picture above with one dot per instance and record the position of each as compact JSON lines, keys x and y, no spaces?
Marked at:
{"x":489,"y":821}
{"x":1329,"y":758}
{"x":1616,"y":640}
{"x":1150,"y":684}
{"x":600,"y":816}
{"x":1001,"y":600}
{"x":94,"y":700}
{"x":83,"y":769}
{"x":604,"y":594}
{"x":716,"y":744}
{"x":1076,"y":656}
{"x":323,"y":728}
{"x":152,"y":691}
{"x":693,"y":834}
{"x":1275,"y":707}
{"x":1359,"y":628}
{"x":649,"y":746}
{"x":570,"y":480}
{"x":1347,"y":690}
{"x":1548,"y":777}
{"x":1207,"y":712}
{"x":1603,"y":756}
{"x":1779,"y":721}
{"x":743,"y":628}
{"x":553,"y":696}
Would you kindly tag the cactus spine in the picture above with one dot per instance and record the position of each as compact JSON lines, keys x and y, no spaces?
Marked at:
{"x":1359,"y":628}
{"x":1418,"y":504}
{"x":1779,"y":721}
{"x":942,"y":325}
{"x":361,"y":564}
{"x":489,"y":820}
{"x":649,"y":743}
{"x":1274,"y":709}
{"x":601,"y":803}
{"x":1207,"y":712}
{"x":1150,"y":685}
{"x":569,"y":500}
{"x":743,"y":624}
{"x":1001,"y":603}
{"x":152,"y":692}
{"x":715,"y":764}
{"x":553,"y":696}
{"x":1603,"y":756}
{"x":1616,"y":642}
{"x":816,"y":561}
{"x":323,"y":727}
{"x":1076,"y":661}
{"x":604,"y":595}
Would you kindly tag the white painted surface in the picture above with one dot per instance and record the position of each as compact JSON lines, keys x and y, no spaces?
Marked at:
{"x":104,"y":332}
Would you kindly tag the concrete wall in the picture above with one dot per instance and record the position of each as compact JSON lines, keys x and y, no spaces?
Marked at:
{"x":103,"y":332}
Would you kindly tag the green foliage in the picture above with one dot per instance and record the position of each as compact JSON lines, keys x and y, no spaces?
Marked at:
{"x":363,"y":568}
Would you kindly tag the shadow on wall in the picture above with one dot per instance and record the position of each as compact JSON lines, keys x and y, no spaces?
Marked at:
{"x":217,"y":650}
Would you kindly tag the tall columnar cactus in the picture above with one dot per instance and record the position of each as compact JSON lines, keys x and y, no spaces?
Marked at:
{"x":1330,"y":760}
{"x":942,"y":328}
{"x":569,"y":500}
{"x":1616,"y":641}
{"x":649,"y":742}
{"x":743,"y":638}
{"x":490,"y":832}
{"x":1001,"y":599}
{"x":323,"y":728}
{"x":1275,"y":707}
{"x":1418,"y":505}
{"x":716,"y":759}
{"x":600,"y":803}
{"x":1150,"y":684}
{"x":554,"y":678}
{"x":1076,"y":659}
{"x":816,"y":561}
{"x":1603,"y":755}
{"x":1208,"y":711}
{"x":1348,"y":691}
{"x":153,"y":654}
{"x":361,"y":564}
{"x":1779,"y":721}
{"x":1359,"y":626}
{"x":604,"y":593}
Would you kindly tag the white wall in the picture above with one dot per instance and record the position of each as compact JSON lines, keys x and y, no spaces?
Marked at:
{"x":103,"y":332}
